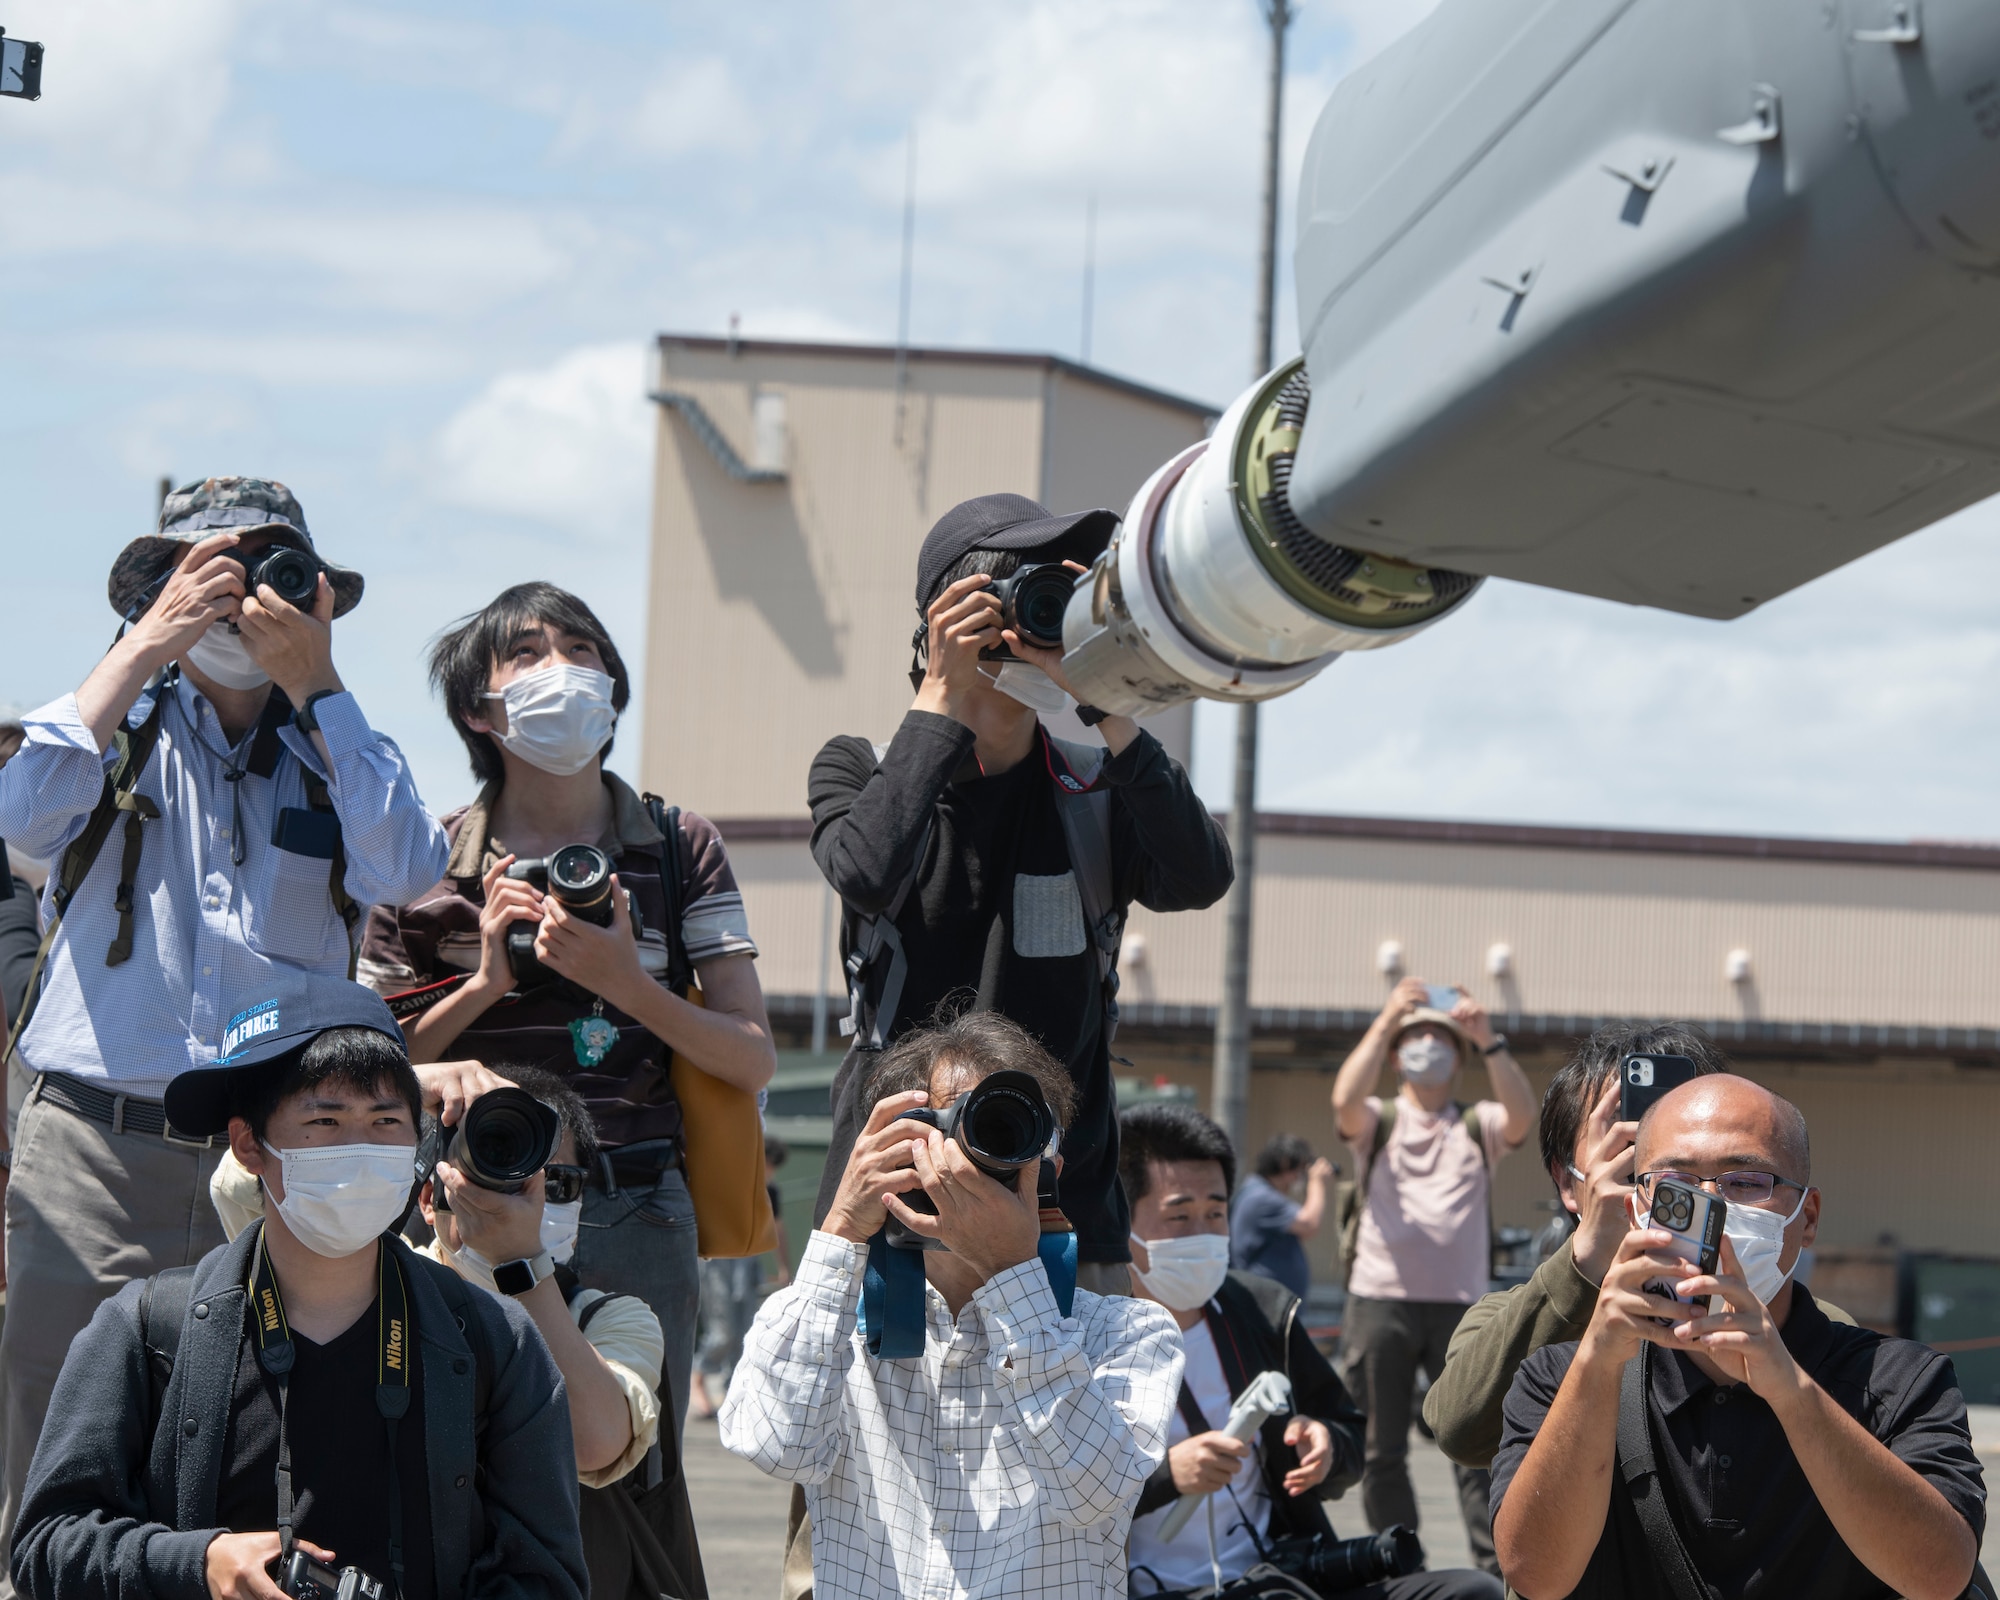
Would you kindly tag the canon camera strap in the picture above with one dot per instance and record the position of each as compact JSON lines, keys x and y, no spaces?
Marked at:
{"x":276,"y":1354}
{"x":892,"y":1283}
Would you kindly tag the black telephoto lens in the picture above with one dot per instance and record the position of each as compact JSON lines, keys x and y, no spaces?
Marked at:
{"x":505,"y":1137}
{"x":1331,"y":1565}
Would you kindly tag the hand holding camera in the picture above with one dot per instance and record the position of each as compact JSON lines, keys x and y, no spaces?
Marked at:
{"x":1627,"y":1315}
{"x":205,"y":588}
{"x":962,"y":621}
{"x":238,"y":1565}
{"x":1743,"y":1340}
{"x":291,"y":639}
{"x":984,"y":1223}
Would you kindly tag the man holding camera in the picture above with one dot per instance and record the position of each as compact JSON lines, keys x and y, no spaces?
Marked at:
{"x":978,"y":854}
{"x":218,"y":813}
{"x":1263,"y":1496}
{"x":1419,"y":1248}
{"x":314,"y":1409}
{"x":1713,"y":1432}
{"x":515,"y":956}
{"x":1000,"y":1452}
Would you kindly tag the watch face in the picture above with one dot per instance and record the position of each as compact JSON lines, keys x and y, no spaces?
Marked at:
{"x":514,"y":1277}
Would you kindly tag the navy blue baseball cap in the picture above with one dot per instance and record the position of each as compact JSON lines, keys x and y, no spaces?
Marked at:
{"x":268,"y":1036}
{"x":1008,"y":522}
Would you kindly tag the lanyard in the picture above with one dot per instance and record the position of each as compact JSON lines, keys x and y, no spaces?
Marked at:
{"x":276,"y":1354}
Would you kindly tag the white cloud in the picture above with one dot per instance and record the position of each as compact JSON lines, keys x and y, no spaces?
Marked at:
{"x":693,"y":105}
{"x":567,"y":444}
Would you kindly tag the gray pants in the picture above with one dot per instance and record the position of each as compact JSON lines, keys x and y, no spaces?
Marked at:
{"x":642,"y":1242}
{"x":88,"y":1210}
{"x":1383,"y":1342}
{"x":728,"y":1306}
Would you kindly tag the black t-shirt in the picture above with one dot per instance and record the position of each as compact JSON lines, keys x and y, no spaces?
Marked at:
{"x":340,"y":1456}
{"x":1746,"y":1514}
{"x":996,"y":915}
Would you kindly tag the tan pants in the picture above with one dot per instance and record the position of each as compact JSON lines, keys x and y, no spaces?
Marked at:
{"x":88,"y":1210}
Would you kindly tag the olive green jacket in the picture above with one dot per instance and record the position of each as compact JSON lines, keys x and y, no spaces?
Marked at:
{"x":1497,"y":1334}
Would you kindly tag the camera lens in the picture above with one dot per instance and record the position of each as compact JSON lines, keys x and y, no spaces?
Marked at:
{"x":504,"y":1139}
{"x":293,"y":573}
{"x":1035,"y":606}
{"x":580,"y":877}
{"x":1005,"y":1121}
{"x":1331,"y":1565}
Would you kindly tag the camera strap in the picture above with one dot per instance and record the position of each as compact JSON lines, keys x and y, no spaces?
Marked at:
{"x":892,"y":1292}
{"x":276,"y":1353}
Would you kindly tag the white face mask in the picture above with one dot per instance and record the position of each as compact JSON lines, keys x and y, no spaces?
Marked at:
{"x":559,"y":1225}
{"x":339,"y":1198}
{"x":1758,"y":1238}
{"x":557,"y":718}
{"x":222,"y":655}
{"x":1185,"y":1272}
{"x":1426,"y":1061}
{"x":1034,"y":688}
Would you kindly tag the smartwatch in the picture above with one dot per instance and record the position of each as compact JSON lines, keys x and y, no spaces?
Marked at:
{"x":303,"y":718}
{"x":518,"y":1277}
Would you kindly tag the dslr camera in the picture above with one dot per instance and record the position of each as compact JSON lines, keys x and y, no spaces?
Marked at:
{"x":1032,"y":602}
{"x":579,"y":875}
{"x":293,"y":572}
{"x":305,"y":1579}
{"x":1332,"y":1565}
{"x":505,"y":1137}
{"x":1002,"y":1122}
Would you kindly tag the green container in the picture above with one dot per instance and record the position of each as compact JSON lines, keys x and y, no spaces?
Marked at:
{"x":798,"y":1109}
{"x":1953,"y":1303}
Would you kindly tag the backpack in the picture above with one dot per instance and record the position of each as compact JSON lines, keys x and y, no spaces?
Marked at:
{"x":638,"y":1533}
{"x":1350,"y":1195}
{"x":121,"y":793}
{"x":877,"y":966}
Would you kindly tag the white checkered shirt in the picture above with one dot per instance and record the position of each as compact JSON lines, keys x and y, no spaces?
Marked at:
{"x":1005,"y":1462}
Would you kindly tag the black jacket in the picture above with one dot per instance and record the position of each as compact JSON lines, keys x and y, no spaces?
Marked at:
{"x":981,"y":840}
{"x":20,"y":938}
{"x":1255,"y":1321}
{"x":106,"y":1513}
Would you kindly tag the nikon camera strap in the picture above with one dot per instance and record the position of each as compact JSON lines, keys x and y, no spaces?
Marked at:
{"x":276,"y":1354}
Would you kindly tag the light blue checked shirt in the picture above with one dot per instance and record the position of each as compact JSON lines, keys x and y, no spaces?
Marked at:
{"x":207,"y":933}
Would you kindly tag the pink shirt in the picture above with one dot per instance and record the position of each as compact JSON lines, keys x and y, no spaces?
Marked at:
{"x":1424,"y":1229}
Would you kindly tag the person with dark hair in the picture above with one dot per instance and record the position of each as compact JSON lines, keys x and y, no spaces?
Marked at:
{"x":1267,"y":1227}
{"x":1177,"y":1167}
{"x":533,"y":685}
{"x":316,"y":1387}
{"x":1714,"y":1432}
{"x":979,"y":854}
{"x":987,"y":1435}
{"x":1587,"y":1153}
{"x":216,"y":813}
{"x":1418,"y":1243}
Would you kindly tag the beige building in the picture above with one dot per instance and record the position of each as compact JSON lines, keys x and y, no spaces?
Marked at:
{"x":1855,"y":978}
{"x":792,"y":487}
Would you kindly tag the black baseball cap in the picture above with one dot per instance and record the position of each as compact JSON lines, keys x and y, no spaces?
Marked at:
{"x":267,"y":1037}
{"x":1008,"y":522}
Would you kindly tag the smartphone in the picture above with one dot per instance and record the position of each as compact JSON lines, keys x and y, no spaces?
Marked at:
{"x":307,"y":833}
{"x":1441,"y":997}
{"x":1695,"y":1220}
{"x":1644,"y":1079}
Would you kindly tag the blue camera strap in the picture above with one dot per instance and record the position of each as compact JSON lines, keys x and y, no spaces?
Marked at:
{"x":892,"y":1292}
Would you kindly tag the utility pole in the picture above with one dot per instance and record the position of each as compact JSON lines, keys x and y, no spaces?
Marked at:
{"x":1230,"y":1099}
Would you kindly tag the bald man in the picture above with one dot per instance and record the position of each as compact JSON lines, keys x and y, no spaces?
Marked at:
{"x":1737,"y":1445}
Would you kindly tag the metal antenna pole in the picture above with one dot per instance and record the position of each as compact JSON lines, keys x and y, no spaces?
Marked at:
{"x":1230,"y":1098}
{"x":903,"y":294}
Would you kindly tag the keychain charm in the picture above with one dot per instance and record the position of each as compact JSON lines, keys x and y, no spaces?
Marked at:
{"x":592,"y":1037}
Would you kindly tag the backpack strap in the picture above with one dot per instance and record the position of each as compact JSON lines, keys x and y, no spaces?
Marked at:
{"x":1647,"y":1485}
{"x":135,"y":749}
{"x":666,"y":818}
{"x":163,"y":1305}
{"x":588,"y":1314}
{"x":344,"y":903}
{"x":1085,"y":808}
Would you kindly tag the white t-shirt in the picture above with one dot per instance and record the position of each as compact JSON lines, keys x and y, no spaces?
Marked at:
{"x":1182,"y":1562}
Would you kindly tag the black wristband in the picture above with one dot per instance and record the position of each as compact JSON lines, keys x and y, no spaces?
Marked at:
{"x":303,"y":718}
{"x":1499,"y":1043}
{"x":1090,"y":716}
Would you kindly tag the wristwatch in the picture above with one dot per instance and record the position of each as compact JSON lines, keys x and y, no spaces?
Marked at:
{"x":303,"y":718}
{"x":518,"y":1277}
{"x":1499,"y":1043}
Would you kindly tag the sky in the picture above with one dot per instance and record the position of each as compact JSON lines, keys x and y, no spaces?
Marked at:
{"x":408,"y":258}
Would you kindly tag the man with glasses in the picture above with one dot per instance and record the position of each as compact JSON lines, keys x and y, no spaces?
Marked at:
{"x":1733,"y":1440}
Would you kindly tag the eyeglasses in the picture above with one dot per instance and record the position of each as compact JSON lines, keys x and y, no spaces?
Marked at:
{"x":565,"y":1183}
{"x":1735,"y":1188}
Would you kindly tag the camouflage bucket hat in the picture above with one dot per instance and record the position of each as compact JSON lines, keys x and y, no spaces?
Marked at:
{"x":190,"y":514}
